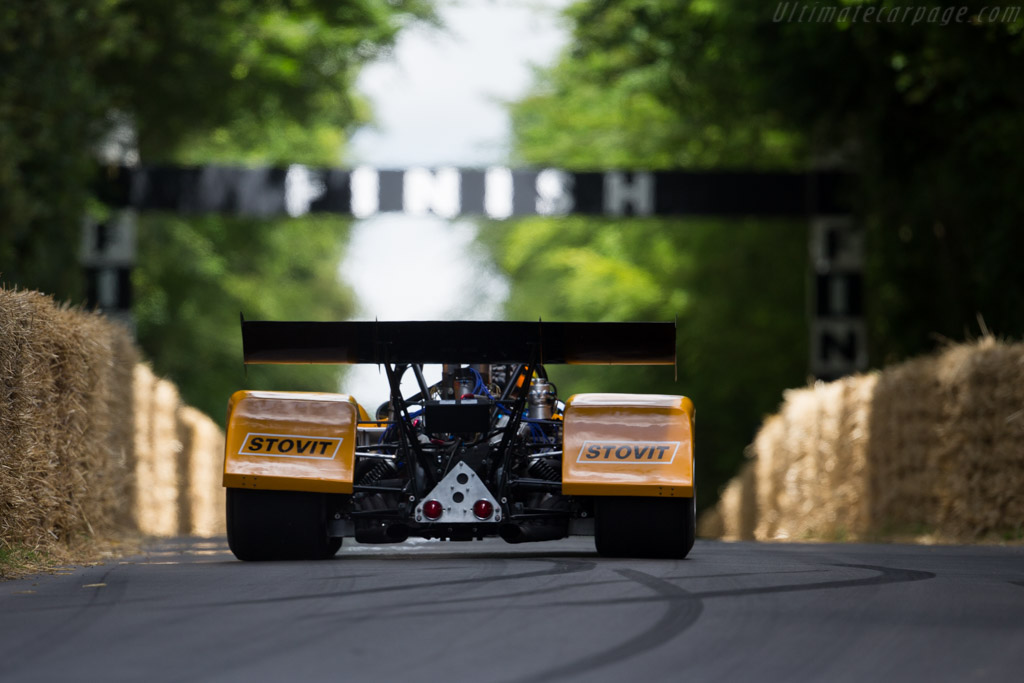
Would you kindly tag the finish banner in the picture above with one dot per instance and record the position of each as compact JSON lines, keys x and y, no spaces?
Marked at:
{"x":496,"y":192}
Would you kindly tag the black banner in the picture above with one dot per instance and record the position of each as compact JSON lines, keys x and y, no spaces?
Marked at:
{"x":449,"y":192}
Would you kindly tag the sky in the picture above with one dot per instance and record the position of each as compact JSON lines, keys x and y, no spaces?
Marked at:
{"x":438,"y":101}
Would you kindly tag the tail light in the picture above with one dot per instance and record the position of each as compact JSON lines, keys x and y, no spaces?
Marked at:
{"x":483,"y":509}
{"x":432,"y":510}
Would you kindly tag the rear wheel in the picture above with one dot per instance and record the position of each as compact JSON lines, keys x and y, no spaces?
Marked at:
{"x":644,"y":527}
{"x":278,"y":525}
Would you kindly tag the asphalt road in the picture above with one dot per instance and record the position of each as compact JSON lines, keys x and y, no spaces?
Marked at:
{"x":554,"y":611}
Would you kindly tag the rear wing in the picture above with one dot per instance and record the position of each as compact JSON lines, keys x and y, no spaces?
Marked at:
{"x":642,"y":343}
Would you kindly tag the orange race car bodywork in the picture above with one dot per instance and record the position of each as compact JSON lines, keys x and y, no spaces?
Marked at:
{"x":487,"y":451}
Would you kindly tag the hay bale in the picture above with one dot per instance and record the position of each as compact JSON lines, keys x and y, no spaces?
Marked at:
{"x":101,"y":462}
{"x":203,"y":446}
{"x":63,"y":460}
{"x":846,"y":480}
{"x":121,"y":405}
{"x":929,"y":448}
{"x":768,"y":475}
{"x":908,"y":418}
{"x":946,"y":443}
{"x":738,"y":506}
{"x":810,"y":476}
{"x":710,"y":524}
{"x":157,"y":471}
{"x":90,"y":441}
{"x":30,"y":500}
{"x":980,"y":445}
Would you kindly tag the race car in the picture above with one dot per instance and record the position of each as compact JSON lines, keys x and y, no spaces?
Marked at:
{"x":488,"y":451}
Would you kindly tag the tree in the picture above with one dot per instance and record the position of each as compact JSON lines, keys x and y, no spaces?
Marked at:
{"x":925,"y":114}
{"x":189,"y":81}
{"x":607,"y":104}
{"x":920,"y":102}
{"x":741,"y":328}
{"x":247,"y":81}
{"x":194,"y":277}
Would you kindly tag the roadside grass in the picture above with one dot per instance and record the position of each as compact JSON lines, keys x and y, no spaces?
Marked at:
{"x":19,"y":561}
{"x":1015,"y":535}
{"x":924,"y":534}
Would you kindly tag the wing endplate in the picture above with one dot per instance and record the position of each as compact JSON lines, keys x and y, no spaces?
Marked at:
{"x":628,"y":445}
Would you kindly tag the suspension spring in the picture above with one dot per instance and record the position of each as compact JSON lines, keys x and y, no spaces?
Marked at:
{"x":377,"y":472}
{"x":542,"y":470}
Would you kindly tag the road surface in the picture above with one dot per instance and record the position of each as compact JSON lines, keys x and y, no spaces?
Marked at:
{"x":555,"y":611}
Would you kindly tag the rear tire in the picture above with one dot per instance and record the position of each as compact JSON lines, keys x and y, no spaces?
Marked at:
{"x":644,"y":527}
{"x":278,"y":525}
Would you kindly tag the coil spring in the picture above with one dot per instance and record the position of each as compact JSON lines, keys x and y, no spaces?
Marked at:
{"x":377,"y":472}
{"x":542,"y":470}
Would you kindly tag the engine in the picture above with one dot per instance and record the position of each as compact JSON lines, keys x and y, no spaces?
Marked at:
{"x":435,"y":464}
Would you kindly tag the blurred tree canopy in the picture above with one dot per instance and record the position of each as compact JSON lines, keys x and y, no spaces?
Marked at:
{"x":190,"y":81}
{"x":196,"y":274}
{"x":926,"y":115}
{"x":736,"y":288}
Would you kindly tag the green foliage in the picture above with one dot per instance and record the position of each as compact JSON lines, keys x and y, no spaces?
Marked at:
{"x":51,"y":113}
{"x":736,"y":287}
{"x":17,"y":561}
{"x":195,"y":81}
{"x":615,"y":98}
{"x":926,"y":115}
{"x":196,"y":275}
{"x":245,"y":66}
{"x":190,"y":81}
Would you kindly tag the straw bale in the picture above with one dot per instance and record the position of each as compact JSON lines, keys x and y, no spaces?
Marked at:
{"x":810,"y":477}
{"x":121,"y":406}
{"x":90,"y":441}
{"x":101,"y":462}
{"x":710,"y":524}
{"x":787,"y":469}
{"x":157,"y":472}
{"x":203,"y":446}
{"x":930,"y":445}
{"x":982,"y":441}
{"x":848,"y":474}
{"x":946,"y":442}
{"x":63,"y":460}
{"x":180,"y":455}
{"x":143,"y":383}
{"x":737,"y":510}
{"x":185,"y":437}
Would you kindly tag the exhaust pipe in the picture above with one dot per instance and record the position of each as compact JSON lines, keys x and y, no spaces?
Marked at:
{"x":526,"y":533}
{"x":381,"y":533}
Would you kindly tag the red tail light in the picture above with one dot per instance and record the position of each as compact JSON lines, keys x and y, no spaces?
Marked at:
{"x":432,"y":510}
{"x":483,"y":509}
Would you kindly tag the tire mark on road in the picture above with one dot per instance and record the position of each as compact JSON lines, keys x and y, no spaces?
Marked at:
{"x":561,"y":567}
{"x":886,"y":575}
{"x":394,"y":610}
{"x":687,"y":577}
{"x":682,"y":610}
{"x":414,"y":609}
